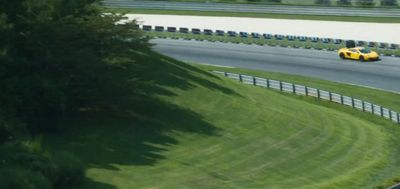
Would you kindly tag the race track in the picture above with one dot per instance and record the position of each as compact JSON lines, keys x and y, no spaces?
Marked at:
{"x":384,"y":74}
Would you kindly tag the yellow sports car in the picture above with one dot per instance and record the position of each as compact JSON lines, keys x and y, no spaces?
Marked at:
{"x":358,"y":53}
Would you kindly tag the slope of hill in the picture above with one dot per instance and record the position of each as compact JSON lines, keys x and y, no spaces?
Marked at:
{"x":188,"y":128}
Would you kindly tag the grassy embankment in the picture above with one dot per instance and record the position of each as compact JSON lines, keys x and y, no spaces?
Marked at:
{"x":192,"y":129}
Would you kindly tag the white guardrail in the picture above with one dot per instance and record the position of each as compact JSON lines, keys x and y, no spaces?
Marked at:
{"x":317,"y":93}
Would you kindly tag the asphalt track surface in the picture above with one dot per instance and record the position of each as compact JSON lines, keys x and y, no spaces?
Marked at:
{"x":383,"y":74}
{"x":276,"y":9}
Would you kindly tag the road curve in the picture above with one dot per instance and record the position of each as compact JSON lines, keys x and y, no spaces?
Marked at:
{"x":384,"y":74}
{"x":276,"y":9}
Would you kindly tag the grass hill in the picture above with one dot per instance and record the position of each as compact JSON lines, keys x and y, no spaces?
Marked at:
{"x":187,"y":128}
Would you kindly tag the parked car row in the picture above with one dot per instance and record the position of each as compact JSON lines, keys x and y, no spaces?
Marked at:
{"x":198,"y":31}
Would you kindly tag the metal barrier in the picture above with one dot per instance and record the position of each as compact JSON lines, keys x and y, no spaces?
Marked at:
{"x":270,"y":36}
{"x":317,"y":93}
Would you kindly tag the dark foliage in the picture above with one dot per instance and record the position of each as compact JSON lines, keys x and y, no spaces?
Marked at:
{"x":344,"y":2}
{"x":18,"y":178}
{"x":323,"y":2}
{"x":366,"y":3}
{"x":389,"y":2}
{"x":58,"y":57}
{"x":34,"y":162}
{"x":70,"y":170}
{"x":24,"y":169}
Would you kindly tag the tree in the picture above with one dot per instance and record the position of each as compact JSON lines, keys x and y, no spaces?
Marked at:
{"x":323,"y":2}
{"x":59,"y":57}
{"x":366,"y":3}
{"x":275,"y":1}
{"x":389,"y":2}
{"x":344,"y":2}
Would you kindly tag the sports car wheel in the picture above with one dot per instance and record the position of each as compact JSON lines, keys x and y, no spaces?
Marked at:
{"x":362,"y":59}
{"x":341,"y":55}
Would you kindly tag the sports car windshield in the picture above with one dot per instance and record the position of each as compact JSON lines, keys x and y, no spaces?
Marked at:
{"x":365,"y":50}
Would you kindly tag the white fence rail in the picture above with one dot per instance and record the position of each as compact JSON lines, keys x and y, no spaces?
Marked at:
{"x":320,"y":94}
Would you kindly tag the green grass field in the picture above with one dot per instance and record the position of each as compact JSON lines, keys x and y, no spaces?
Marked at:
{"x":192,"y":129}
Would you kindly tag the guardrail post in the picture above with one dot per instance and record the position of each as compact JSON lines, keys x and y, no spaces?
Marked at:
{"x":318,"y":94}
{"x":363,"y":106}
{"x":280,"y":86}
{"x":381,"y":111}
{"x":225,"y":74}
{"x":330,"y":96}
{"x":373,"y":108}
{"x":267,"y":83}
{"x":240,"y":77}
{"x":341,"y":99}
{"x":306,"y":90}
{"x":398,"y":118}
{"x":390,"y":114}
{"x":254,"y":80}
{"x":293,"y":89}
{"x":352,"y":102}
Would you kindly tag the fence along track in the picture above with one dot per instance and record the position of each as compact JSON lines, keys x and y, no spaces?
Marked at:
{"x":317,"y":43}
{"x":317,"y":93}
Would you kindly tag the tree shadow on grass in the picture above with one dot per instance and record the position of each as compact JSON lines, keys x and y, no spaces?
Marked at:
{"x":89,"y":183}
{"x":140,"y":132}
{"x":102,"y":139}
{"x":164,"y":71}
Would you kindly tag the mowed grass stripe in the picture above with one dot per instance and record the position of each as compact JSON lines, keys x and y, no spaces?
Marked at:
{"x":354,"y":133}
{"x":234,"y":153}
{"x":288,"y":166}
{"x":335,"y":160}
